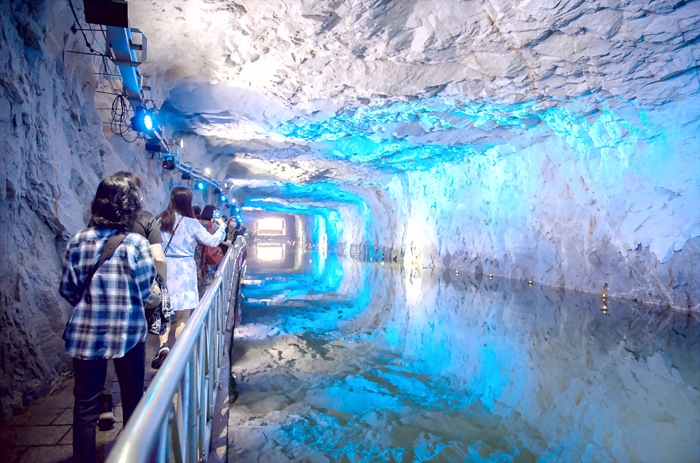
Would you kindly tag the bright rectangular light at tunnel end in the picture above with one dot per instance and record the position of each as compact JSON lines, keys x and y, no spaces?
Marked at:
{"x":270,"y":226}
{"x":269,"y":252}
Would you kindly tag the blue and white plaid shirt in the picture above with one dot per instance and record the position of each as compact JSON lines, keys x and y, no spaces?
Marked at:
{"x":112,"y":321}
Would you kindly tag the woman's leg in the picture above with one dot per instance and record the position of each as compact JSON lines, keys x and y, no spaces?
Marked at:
{"x":164,"y":337}
{"x":130,"y":372}
{"x":163,"y":350}
{"x":106,"y":419}
{"x":89,"y":380}
{"x":181,"y":318}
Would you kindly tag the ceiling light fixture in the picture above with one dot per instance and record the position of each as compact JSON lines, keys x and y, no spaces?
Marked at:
{"x":143,"y":121}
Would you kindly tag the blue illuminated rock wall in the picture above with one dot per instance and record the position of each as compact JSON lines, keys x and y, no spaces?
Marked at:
{"x":582,"y":199}
{"x":577,"y":192}
{"x":359,"y":218}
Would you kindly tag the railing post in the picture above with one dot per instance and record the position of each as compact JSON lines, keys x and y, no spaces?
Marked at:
{"x":213,"y":364}
{"x":192,"y":411}
{"x":175,"y":441}
{"x":183,"y":411}
{"x":162,"y":448}
{"x":201,"y":387}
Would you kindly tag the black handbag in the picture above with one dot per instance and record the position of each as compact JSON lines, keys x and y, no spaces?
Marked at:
{"x":157,"y":318}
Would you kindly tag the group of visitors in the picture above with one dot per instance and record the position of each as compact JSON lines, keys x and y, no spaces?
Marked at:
{"x":113,"y":272}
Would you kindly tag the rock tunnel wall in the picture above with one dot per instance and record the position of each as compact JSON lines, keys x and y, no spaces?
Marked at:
{"x":54,"y":154}
{"x":580,"y":199}
{"x":577,"y":201}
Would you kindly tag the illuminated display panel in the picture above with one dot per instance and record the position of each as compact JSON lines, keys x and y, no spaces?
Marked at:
{"x":270,"y":252}
{"x":270,"y":226}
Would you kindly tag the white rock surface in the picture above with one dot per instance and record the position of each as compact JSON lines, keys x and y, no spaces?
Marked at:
{"x":554,"y":141}
{"x":534,"y":140}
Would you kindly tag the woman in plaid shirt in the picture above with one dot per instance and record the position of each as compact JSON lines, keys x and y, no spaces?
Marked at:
{"x":108,"y":319}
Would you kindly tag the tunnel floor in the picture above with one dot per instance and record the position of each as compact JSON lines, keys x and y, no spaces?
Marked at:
{"x":387,"y":366}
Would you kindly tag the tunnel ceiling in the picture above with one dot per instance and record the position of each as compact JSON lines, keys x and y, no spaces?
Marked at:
{"x":307,"y":91}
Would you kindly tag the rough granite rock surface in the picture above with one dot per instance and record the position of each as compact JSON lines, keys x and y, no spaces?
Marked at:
{"x":53,"y":156}
{"x":554,"y":141}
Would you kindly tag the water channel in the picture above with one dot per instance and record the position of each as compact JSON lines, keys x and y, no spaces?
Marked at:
{"x":346,"y":361}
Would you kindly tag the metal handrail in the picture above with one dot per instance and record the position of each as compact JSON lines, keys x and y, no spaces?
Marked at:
{"x":173,"y":420}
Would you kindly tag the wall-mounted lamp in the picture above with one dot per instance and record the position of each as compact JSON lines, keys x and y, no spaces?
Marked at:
{"x":144,"y":120}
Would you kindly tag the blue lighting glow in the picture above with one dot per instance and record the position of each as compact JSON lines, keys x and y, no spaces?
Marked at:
{"x":199,"y":185}
{"x":144,"y":120}
{"x":400,"y":135}
{"x":521,"y":179}
{"x":333,"y":221}
{"x":223,"y":198}
{"x":331,"y":195}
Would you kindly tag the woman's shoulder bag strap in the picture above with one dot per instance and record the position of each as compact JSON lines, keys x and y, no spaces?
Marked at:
{"x":107,"y":250}
{"x":173,"y":235}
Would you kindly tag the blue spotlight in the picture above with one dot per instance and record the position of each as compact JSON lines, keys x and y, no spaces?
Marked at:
{"x":199,"y":185}
{"x":144,"y":120}
{"x":223,"y":198}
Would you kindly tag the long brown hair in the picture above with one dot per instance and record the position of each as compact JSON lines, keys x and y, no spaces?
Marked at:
{"x":181,"y":203}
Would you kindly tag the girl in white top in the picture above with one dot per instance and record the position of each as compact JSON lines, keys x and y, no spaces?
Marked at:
{"x":181,"y":232}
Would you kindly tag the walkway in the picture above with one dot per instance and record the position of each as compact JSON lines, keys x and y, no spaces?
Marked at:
{"x":44,"y":433}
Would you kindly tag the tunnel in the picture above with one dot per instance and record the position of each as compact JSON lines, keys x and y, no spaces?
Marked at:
{"x":472,"y":226}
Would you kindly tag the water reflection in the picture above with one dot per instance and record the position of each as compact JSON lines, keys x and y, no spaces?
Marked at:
{"x":363,"y":362}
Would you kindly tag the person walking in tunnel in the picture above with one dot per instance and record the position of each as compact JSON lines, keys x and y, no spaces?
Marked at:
{"x":240,"y":230}
{"x":107,"y":277}
{"x":182,"y":231}
{"x":206,"y":268}
{"x":146,"y":226}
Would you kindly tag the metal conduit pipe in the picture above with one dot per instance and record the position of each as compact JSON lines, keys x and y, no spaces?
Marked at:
{"x":173,"y":420}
